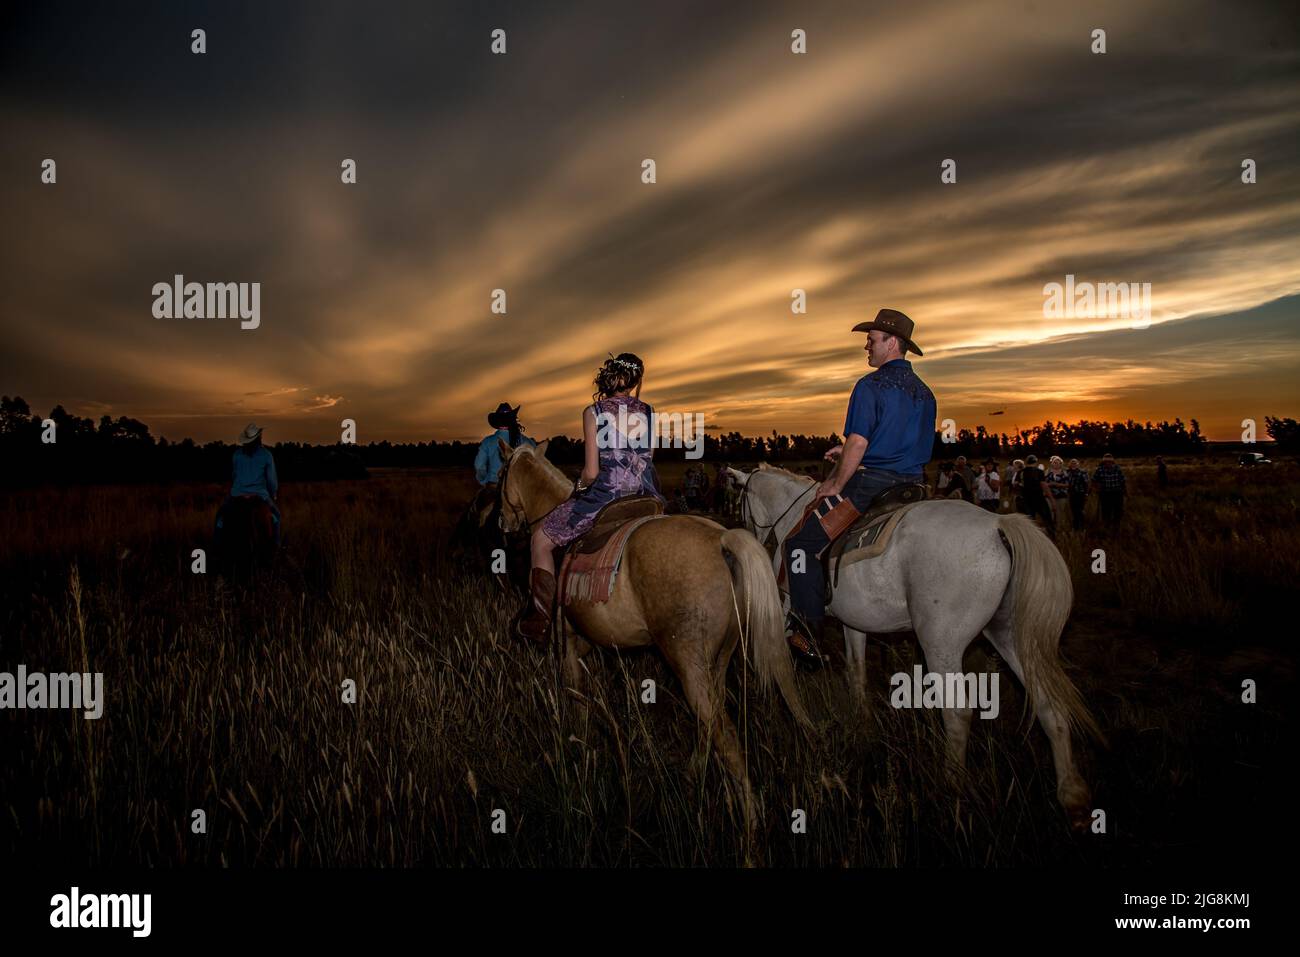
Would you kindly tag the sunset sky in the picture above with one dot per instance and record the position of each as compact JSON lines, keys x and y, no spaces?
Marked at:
{"x":775,"y":171}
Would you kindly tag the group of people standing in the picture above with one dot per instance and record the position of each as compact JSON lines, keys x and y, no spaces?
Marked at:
{"x":1029,"y":488}
{"x":698,"y":491}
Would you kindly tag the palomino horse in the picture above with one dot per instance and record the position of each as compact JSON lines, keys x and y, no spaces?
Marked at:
{"x":689,"y":587}
{"x":951,"y":572}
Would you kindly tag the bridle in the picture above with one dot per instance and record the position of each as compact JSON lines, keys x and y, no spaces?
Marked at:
{"x":746,"y":516}
{"x":515,"y":510}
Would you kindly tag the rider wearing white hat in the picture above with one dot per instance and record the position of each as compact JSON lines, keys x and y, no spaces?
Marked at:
{"x":252,"y":472}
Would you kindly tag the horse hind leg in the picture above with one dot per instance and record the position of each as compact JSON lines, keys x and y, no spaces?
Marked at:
{"x":944,"y":633}
{"x":1071,"y":789}
{"x":702,"y":684}
{"x":956,"y":721}
{"x":945,"y":629}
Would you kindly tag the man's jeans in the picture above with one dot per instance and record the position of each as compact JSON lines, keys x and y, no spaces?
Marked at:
{"x":808,"y":586}
{"x":1077,"y":500}
{"x":1039,"y":506}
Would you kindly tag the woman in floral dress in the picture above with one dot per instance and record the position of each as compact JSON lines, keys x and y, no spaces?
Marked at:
{"x":616,"y":430}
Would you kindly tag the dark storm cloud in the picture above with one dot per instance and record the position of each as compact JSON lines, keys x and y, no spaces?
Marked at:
{"x":522,"y":172}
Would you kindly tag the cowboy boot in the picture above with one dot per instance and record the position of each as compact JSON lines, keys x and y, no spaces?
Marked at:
{"x":804,"y":639}
{"x":535,"y":621}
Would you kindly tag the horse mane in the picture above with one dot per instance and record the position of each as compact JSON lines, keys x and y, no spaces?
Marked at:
{"x":793,"y":475}
{"x":549,"y":468}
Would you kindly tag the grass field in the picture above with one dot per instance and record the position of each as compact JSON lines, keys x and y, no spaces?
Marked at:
{"x":227,"y":698}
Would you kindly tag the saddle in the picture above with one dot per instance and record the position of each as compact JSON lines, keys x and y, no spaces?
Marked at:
{"x":591,"y":562}
{"x":869,"y":535}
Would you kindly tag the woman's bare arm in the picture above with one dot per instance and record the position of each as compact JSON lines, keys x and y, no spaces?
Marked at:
{"x":591,"y":453}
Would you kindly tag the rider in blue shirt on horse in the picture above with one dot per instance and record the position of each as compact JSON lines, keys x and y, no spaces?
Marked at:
{"x":485,"y":507}
{"x":252,"y":473}
{"x":487,"y":463}
{"x":888,"y":439}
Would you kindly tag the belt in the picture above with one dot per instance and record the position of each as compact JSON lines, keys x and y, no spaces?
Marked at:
{"x":905,"y":476}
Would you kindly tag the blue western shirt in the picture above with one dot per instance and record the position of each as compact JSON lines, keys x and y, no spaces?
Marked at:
{"x":254,"y":474}
{"x":487,"y":463}
{"x":894,"y":411}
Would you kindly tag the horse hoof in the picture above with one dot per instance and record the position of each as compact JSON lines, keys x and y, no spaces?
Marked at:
{"x":1079,"y":815}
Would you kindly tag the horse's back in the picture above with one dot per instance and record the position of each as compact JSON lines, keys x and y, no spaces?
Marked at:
{"x":944,"y":553}
{"x":669,"y":548}
{"x":672,"y":567}
{"x":946,"y":533}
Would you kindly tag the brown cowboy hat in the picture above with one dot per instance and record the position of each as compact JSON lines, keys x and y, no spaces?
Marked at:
{"x":503,"y":416}
{"x":895,"y":323}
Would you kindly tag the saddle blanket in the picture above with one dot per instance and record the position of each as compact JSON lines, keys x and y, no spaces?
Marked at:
{"x":871,"y":540}
{"x":590,"y":577}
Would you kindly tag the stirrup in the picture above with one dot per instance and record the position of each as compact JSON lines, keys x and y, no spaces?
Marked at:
{"x":802,"y":642}
{"x":533,"y":627}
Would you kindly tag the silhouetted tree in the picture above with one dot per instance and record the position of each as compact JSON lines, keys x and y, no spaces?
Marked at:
{"x":1285,"y":432}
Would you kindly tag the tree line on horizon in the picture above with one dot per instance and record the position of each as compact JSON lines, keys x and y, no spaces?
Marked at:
{"x":123,"y":449}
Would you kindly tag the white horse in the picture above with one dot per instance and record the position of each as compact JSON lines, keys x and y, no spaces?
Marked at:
{"x":951,"y":572}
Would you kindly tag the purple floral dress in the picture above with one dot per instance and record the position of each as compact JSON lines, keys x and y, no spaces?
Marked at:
{"x":626,"y":468}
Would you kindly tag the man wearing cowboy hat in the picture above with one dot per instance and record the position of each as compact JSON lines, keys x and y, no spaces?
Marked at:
{"x":487,"y":463}
{"x":252,"y":472}
{"x":888,"y":438}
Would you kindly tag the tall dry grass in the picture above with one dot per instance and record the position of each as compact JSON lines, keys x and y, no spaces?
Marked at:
{"x":226,"y":697}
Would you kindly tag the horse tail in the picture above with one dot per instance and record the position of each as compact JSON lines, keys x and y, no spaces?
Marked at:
{"x":1043,"y":595}
{"x":758,"y":610}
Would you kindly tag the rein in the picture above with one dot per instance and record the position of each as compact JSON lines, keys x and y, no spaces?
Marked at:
{"x":744,"y":491}
{"x":505,"y":501}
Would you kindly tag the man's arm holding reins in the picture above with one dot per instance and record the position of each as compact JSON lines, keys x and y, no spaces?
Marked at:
{"x":855,"y":446}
